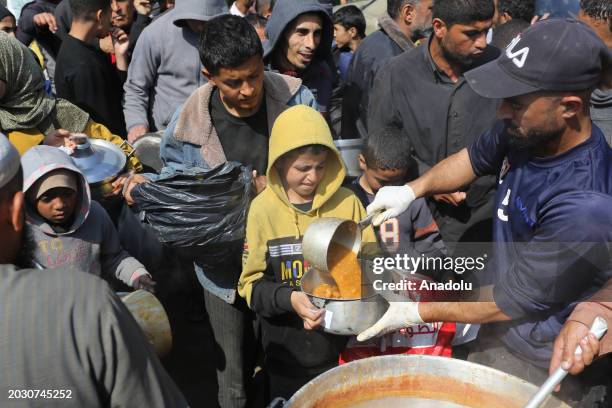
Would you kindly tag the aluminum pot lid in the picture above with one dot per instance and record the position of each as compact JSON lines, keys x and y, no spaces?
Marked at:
{"x":98,"y":160}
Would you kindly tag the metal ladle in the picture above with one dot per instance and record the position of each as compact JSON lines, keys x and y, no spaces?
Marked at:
{"x":322,"y":232}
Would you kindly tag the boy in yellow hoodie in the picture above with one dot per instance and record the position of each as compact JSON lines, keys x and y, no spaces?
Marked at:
{"x":305,"y":173}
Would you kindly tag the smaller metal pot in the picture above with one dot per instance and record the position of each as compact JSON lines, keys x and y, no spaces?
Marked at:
{"x":345,"y":317}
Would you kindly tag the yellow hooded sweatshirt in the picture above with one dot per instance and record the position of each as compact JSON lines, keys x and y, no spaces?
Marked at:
{"x":272,"y":261}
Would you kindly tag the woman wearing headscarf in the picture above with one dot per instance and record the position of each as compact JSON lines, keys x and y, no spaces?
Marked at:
{"x":29,"y":116}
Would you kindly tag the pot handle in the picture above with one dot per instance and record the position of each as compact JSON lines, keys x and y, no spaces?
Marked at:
{"x":131,"y":149}
{"x":318,"y":302}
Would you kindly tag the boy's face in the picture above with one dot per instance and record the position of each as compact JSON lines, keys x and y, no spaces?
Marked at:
{"x":301,"y":174}
{"x":375,"y":179}
{"x":7,"y":24}
{"x":241,"y":88}
{"x":57,"y":204}
{"x":342,"y":35}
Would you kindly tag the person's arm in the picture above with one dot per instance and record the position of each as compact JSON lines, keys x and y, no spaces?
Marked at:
{"x":483,"y":157}
{"x":113,"y":258}
{"x":575,"y":332}
{"x":142,"y":74}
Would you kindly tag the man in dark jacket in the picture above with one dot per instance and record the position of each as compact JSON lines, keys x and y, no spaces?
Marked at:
{"x":404,"y":22}
{"x":597,"y":14}
{"x":300,"y":34}
{"x":423,"y":91}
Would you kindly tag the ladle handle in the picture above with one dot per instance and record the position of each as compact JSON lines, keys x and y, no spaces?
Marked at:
{"x":367,"y":220}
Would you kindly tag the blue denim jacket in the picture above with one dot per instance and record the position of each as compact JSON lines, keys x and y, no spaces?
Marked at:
{"x":183,"y":157}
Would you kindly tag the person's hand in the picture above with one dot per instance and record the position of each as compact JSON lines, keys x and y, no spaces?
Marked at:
{"x":398,"y":316}
{"x":136,"y":131}
{"x":259,"y":182}
{"x":145,"y":282}
{"x":393,"y":199}
{"x":57,"y":138}
{"x":564,"y":354}
{"x":311,"y":316}
{"x":45,"y":19}
{"x":121,"y":42}
{"x":454,"y":199}
{"x":143,"y":7}
{"x":131,"y":182}
{"x":106,"y":44}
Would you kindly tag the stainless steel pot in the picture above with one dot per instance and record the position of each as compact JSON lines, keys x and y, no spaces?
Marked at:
{"x":345,"y":316}
{"x":100,"y":161}
{"x":323,"y":231}
{"x":146,"y":148}
{"x":152,"y":319}
{"x":416,"y":381}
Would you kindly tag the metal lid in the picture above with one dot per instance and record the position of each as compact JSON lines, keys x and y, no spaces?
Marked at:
{"x":98,"y":160}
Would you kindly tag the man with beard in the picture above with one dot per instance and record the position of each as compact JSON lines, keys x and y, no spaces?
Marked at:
{"x":553,"y":219}
{"x":404,"y":23}
{"x":52,"y":319}
{"x":300,"y":34}
{"x":424,"y":92}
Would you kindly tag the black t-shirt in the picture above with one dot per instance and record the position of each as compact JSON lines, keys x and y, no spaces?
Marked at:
{"x":244,"y":140}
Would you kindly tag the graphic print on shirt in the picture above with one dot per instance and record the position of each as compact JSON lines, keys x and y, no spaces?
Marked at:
{"x":502,"y":212}
{"x":287,"y":260}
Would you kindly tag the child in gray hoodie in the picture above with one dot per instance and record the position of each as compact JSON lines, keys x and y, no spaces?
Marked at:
{"x":68,"y":227}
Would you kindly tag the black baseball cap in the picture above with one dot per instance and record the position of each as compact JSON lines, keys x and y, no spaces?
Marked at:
{"x":551,"y":55}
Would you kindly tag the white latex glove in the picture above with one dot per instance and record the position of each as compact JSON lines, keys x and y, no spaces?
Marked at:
{"x":394,"y":199}
{"x":398,"y":316}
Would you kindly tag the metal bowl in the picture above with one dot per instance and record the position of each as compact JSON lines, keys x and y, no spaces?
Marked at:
{"x":418,"y":382}
{"x":345,"y":317}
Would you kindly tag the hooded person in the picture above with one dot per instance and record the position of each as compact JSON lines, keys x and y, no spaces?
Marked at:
{"x":165,"y":67}
{"x":305,"y":54}
{"x":77,"y":233}
{"x":275,"y":227}
{"x":28,"y":115}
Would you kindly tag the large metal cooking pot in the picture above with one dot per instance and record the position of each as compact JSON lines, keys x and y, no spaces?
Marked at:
{"x":100,"y":161}
{"x":416,"y":382}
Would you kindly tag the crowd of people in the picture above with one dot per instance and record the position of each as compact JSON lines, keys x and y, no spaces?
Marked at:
{"x":483,"y":128}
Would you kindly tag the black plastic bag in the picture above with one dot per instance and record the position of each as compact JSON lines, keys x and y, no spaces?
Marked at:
{"x":198,"y":209}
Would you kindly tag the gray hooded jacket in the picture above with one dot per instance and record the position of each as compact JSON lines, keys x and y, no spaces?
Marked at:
{"x":165,"y":67}
{"x":91,"y":243}
{"x":318,"y":77}
{"x":601,"y":111}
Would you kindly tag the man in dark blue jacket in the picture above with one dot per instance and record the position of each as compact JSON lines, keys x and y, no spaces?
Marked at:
{"x":552,"y":225}
{"x":404,"y":22}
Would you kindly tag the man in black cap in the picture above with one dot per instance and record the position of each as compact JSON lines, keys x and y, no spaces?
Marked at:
{"x":553,"y":218}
